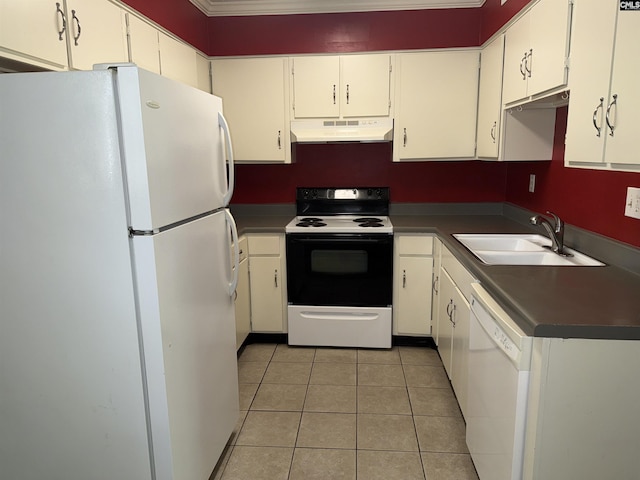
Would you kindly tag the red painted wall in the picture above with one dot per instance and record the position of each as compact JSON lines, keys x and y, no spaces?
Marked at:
{"x":344,"y":32}
{"x":590,"y":199}
{"x":369,"y":164}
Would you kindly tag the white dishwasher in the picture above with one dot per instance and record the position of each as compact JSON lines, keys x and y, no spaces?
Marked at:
{"x":499,"y":364}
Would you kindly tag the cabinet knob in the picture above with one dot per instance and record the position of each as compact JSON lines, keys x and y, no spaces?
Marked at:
{"x":404,"y":279}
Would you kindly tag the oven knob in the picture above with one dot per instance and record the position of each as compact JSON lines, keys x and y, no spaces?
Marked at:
{"x":305,"y":193}
{"x":314,"y":193}
{"x":379,"y":193}
{"x":369,"y":192}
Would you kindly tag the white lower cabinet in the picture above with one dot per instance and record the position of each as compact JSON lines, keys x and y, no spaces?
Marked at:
{"x":413,"y":280}
{"x":267,"y":280}
{"x":583,"y":414}
{"x":453,"y":323}
{"x":243,"y":298}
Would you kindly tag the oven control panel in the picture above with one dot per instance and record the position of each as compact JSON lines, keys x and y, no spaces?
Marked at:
{"x":361,"y":193}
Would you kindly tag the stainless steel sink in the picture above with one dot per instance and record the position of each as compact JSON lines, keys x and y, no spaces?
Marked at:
{"x":521,"y":249}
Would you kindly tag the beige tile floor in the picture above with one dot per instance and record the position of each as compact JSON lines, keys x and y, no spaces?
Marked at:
{"x":345,"y":414}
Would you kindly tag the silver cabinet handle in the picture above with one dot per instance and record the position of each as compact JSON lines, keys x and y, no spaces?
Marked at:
{"x":493,"y":131}
{"x":334,"y":94}
{"x":64,"y":21}
{"x":404,"y":137}
{"x":275,"y":279}
{"x":595,"y":115}
{"x":347,"y":94}
{"x":434,"y":285}
{"x":608,"y":117}
{"x":404,"y":279}
{"x":523,"y":67}
{"x":279,"y":139}
{"x":528,"y":62}
{"x":78,"y":27}
{"x":451,"y":308}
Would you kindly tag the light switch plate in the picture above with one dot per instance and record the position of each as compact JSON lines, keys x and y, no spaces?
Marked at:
{"x":632,"y":203}
{"x":532,"y":183}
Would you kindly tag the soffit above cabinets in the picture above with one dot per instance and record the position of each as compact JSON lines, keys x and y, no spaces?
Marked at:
{"x":215,"y":8}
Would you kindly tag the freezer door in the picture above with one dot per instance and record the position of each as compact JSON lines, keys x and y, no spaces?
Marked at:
{"x":71,"y":395}
{"x":187,"y":325}
{"x":173,"y":143}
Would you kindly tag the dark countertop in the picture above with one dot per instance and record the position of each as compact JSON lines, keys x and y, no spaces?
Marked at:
{"x":545,"y":301}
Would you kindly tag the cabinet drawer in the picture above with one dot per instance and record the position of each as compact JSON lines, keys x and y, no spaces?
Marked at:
{"x":264,"y":244}
{"x":414,"y":244}
{"x":460,"y":275}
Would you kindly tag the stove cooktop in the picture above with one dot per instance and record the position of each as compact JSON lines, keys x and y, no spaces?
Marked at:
{"x":340,"y":224}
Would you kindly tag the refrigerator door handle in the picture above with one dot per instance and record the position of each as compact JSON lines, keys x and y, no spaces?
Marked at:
{"x":236,"y":252}
{"x":227,"y":137}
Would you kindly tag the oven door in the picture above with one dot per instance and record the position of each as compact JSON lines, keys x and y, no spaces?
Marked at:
{"x":340,"y":269}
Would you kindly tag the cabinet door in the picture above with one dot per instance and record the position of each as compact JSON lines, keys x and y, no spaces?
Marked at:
{"x":97,"y":33}
{"x":177,"y":60}
{"x":436,"y":105}
{"x":490,"y":99}
{"x":204,"y":73}
{"x":413,"y":284}
{"x":243,"y":304}
{"x":592,"y":37}
{"x":34,"y":28}
{"x":624,"y":101}
{"x":365,"y":81}
{"x":266,"y":280}
{"x":255,"y":100}
{"x":435,"y":288}
{"x":549,"y":31}
{"x":516,"y":54}
{"x":143,"y":44}
{"x":460,"y":348}
{"x":445,"y":316}
{"x":316,"y":87}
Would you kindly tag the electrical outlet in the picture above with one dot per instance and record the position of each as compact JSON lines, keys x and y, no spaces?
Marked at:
{"x":632,"y":203}
{"x":532,"y":183}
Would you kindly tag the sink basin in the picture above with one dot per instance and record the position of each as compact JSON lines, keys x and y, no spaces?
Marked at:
{"x":521,"y":249}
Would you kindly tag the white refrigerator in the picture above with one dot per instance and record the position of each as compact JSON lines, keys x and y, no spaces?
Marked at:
{"x":117,"y":330}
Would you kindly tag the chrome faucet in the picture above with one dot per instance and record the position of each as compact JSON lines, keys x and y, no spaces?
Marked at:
{"x":555,"y":231}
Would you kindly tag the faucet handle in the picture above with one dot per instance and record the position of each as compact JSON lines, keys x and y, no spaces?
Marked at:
{"x":558,"y":223}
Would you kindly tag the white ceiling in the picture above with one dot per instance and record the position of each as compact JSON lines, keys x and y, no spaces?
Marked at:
{"x":214,"y":8}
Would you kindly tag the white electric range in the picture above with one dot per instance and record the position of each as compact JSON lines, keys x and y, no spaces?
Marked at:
{"x":340,"y":268}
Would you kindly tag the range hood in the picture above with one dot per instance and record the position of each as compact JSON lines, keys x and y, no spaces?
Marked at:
{"x":348,"y":130}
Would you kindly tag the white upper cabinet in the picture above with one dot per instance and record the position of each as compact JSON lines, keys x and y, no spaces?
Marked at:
{"x":97,"y":33}
{"x":536,"y":49}
{"x":490,"y":99}
{"x":34,"y":30}
{"x":604,"y":109}
{"x":39,"y":31}
{"x":341,"y":86}
{"x":255,"y":98}
{"x":143,"y":44}
{"x":436,"y":105}
{"x":178,"y":60}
